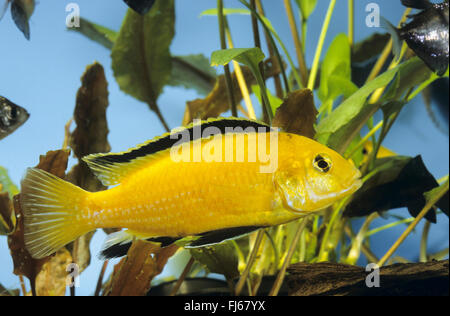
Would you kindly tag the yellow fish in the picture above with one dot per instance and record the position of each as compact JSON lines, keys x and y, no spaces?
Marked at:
{"x":208,"y":182}
{"x":382,"y":151}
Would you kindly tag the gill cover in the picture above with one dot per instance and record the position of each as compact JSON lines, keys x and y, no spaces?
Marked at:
{"x":292,"y":190}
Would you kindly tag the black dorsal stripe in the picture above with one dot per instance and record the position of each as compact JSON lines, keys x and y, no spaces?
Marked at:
{"x":222,"y":126}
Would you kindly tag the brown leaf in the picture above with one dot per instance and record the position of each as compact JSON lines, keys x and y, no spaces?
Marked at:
{"x":90,"y":136}
{"x":7,"y":223}
{"x":405,"y":279}
{"x":297,"y":114}
{"x":54,"y":162}
{"x":133,"y":274}
{"x":216,"y":102}
{"x":51,"y":280}
{"x":91,"y":132}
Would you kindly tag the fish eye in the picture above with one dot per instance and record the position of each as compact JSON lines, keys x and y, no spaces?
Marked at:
{"x":13,"y":112}
{"x":322,"y":163}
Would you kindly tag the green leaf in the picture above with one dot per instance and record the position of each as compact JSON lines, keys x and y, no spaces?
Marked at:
{"x":141,"y":58}
{"x":100,"y":34}
{"x":338,"y":129}
{"x":6,"y":183}
{"x":220,"y":258}
{"x":193,"y":72}
{"x":410,"y":74}
{"x":250,"y":57}
{"x":275,"y":102}
{"x":335,"y":76}
{"x":306,"y":7}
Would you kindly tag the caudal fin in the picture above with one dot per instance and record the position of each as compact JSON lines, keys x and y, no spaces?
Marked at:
{"x":51,"y":208}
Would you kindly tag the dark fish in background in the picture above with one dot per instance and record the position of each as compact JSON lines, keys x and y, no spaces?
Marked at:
{"x":12,"y":117}
{"x":426,"y":34}
{"x":21,"y":11}
{"x":436,"y":99}
{"x":140,"y":6}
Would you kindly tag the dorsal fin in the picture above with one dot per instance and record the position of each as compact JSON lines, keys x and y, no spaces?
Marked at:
{"x":110,"y":168}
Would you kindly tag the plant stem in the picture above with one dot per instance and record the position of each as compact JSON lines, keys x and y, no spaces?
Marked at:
{"x":277,"y":53}
{"x":270,"y":48}
{"x":183,"y":275}
{"x":251,"y":259}
{"x":351,"y":21}
{"x":257,"y":42}
{"x":223,"y":45}
{"x":323,"y":33}
{"x":282,"y":273}
{"x":413,"y":225}
{"x":387,"y":226}
{"x":240,"y":77}
{"x":100,"y":279}
{"x":22,"y":285}
{"x":357,"y":242}
{"x":423,"y":242}
{"x":297,"y":42}
{"x":155,"y":109}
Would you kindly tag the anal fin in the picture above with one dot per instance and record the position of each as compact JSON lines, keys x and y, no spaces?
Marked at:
{"x":117,"y":244}
{"x":220,"y":235}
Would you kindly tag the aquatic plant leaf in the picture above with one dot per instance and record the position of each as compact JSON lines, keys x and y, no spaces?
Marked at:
{"x":140,"y":56}
{"x":7,"y":216}
{"x":140,"y":6}
{"x":250,"y":57}
{"x":90,"y":136}
{"x":297,"y":114}
{"x":275,"y":102}
{"x":398,"y":182}
{"x":365,"y":54}
{"x":6,"y":184}
{"x":369,"y":48}
{"x":51,"y":280}
{"x":216,"y":102}
{"x":91,"y":132}
{"x":190,"y":71}
{"x":97,"y":33}
{"x":193,"y":72}
{"x":54,"y":162}
{"x":410,"y":74}
{"x":8,"y":292}
{"x":306,"y":7}
{"x":220,"y":258}
{"x":133,"y":274}
{"x":338,"y":129}
{"x":335,"y":73}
